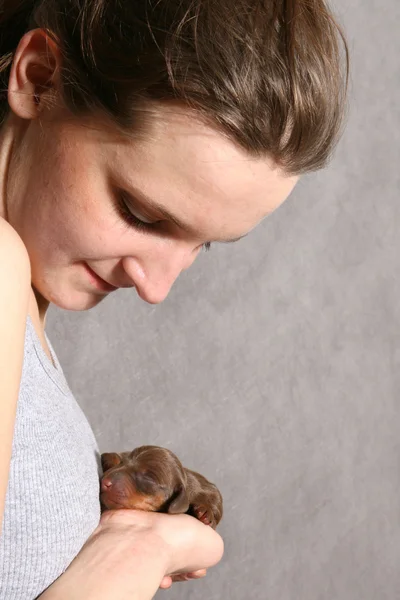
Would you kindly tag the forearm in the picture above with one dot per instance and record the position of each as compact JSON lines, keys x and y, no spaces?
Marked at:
{"x":106,"y":571}
{"x":131,"y":551}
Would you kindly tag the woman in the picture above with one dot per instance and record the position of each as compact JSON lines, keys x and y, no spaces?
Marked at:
{"x":133,"y":134}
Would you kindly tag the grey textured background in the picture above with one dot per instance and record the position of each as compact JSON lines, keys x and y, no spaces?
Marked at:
{"x":273,"y":367}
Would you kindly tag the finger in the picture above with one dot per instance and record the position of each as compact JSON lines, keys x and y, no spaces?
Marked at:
{"x":188,"y":576}
{"x":180,"y":577}
{"x":166,"y":582}
{"x":197,"y":574}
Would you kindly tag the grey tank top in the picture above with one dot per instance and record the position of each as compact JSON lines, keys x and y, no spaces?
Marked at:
{"x":52,"y":502}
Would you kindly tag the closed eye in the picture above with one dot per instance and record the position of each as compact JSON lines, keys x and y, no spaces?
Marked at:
{"x":125,"y":212}
{"x":127,"y":215}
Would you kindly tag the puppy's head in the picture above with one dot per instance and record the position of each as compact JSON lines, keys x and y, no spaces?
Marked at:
{"x":148,"y":478}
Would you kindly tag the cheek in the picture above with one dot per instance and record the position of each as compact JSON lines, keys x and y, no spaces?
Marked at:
{"x":67,"y":202}
{"x":65,"y":213}
{"x":69,"y":225}
{"x":87,"y":215}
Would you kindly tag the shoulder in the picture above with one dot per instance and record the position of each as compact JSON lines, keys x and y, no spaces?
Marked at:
{"x":13,"y":253}
{"x":15,"y":271}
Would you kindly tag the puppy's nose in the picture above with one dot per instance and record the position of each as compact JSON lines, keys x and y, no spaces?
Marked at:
{"x":106,"y":484}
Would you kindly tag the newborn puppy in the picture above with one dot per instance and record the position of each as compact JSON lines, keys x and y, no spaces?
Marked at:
{"x":152,"y":478}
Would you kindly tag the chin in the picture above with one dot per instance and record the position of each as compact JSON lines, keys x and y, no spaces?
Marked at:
{"x":78,"y":305}
{"x":70,"y":299}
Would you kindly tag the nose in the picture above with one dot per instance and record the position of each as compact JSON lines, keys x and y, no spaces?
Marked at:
{"x":106,"y":484}
{"x":155,"y":273}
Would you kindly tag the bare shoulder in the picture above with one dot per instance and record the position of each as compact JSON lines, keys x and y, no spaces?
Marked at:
{"x":15,"y":277}
{"x":14,"y":259}
{"x":15,"y":287}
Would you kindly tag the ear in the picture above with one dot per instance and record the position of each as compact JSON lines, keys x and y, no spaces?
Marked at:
{"x":34,"y":74}
{"x":180,"y":502}
{"x":110,"y":460}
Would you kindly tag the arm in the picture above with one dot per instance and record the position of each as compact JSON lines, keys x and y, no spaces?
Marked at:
{"x":14,"y":299}
{"x":131,"y":551}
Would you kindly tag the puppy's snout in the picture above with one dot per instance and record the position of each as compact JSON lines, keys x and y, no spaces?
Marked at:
{"x":115,"y":483}
{"x":106,"y":484}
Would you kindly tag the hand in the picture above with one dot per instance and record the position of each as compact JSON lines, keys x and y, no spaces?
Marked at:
{"x":132,"y":552}
{"x":168,"y":580}
{"x":191,"y":546}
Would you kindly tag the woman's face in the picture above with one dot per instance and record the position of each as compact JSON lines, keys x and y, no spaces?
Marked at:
{"x":78,"y":195}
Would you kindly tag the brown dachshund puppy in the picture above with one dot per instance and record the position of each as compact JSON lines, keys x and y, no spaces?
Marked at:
{"x":152,"y":478}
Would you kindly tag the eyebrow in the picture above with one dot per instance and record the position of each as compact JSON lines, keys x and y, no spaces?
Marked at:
{"x":140,"y":196}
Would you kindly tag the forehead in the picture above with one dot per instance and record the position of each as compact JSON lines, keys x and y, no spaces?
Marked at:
{"x":191,"y":168}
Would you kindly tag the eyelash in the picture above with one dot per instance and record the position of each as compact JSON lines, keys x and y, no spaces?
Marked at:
{"x":133,"y":221}
{"x":130,"y":219}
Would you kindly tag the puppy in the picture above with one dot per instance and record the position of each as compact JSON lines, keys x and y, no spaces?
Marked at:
{"x":153,"y":478}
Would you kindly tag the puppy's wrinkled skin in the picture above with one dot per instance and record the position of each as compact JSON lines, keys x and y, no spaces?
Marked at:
{"x":153,"y":478}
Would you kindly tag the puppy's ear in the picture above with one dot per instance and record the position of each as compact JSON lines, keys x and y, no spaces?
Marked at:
{"x":109,"y":460}
{"x":180,"y":502}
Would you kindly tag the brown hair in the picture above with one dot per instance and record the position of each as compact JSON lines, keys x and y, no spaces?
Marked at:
{"x":271,"y":74}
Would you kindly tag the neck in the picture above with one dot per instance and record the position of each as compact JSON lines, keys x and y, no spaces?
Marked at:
{"x":6,"y":144}
{"x":39,"y":306}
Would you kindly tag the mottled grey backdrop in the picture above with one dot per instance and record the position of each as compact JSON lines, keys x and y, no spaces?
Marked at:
{"x":274,"y":366}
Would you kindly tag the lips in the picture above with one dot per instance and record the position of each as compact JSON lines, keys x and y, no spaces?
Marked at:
{"x":98,"y":282}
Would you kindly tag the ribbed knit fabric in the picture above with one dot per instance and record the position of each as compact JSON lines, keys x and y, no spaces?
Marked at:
{"x":52,"y":503}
